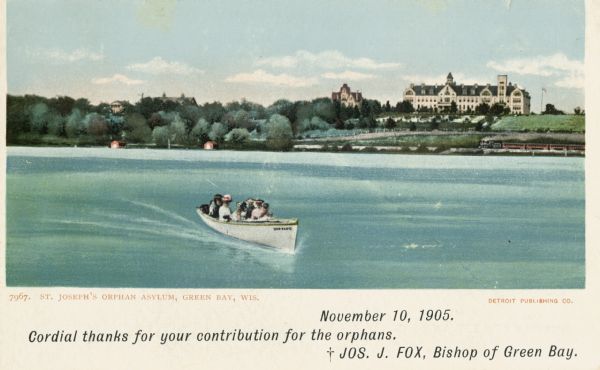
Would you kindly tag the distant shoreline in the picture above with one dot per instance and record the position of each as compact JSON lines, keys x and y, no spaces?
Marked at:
{"x":341,"y":150}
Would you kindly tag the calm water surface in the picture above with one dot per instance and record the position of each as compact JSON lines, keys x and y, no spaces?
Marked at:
{"x":126,"y":218}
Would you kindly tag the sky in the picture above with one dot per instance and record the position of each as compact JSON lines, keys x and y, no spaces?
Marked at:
{"x":298,"y":50}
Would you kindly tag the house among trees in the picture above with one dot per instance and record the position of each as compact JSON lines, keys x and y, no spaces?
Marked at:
{"x":466,"y":98}
{"x":182,"y":100}
{"x":117,"y":107}
{"x":347,"y":97}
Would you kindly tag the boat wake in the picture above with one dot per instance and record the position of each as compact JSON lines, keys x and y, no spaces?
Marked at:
{"x":167,"y":224}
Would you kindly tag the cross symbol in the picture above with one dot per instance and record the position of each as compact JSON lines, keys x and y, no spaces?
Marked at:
{"x":331,"y":352}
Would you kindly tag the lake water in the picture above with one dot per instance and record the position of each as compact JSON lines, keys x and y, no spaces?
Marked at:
{"x":95,"y":217}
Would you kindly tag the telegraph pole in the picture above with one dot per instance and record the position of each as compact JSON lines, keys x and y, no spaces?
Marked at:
{"x":542,"y":101}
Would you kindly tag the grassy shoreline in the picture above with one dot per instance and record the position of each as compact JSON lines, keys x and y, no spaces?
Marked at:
{"x":419,"y":143}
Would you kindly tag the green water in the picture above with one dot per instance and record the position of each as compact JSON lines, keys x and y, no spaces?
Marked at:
{"x":126,"y":218}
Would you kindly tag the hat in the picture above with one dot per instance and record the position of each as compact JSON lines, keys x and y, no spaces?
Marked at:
{"x":226,"y":198}
{"x":218,"y":196}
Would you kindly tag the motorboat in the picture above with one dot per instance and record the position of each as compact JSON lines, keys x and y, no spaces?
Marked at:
{"x":276,"y":233}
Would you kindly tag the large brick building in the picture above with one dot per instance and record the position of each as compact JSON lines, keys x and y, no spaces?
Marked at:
{"x":347,"y":97}
{"x":468,"y":97}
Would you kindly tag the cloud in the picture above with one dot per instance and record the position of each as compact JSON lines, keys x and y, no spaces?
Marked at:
{"x":574,"y":81}
{"x":569,"y":72}
{"x":158,"y":65}
{"x":62,"y":56}
{"x":116,"y":78}
{"x":348,"y":76}
{"x":261,"y":77}
{"x":331,"y":59}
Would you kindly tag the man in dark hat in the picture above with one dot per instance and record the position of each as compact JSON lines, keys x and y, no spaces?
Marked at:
{"x":215,"y":204}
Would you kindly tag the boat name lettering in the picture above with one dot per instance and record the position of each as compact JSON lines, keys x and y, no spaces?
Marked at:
{"x":282,"y":228}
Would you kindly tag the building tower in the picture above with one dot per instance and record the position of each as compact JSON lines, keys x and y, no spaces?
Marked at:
{"x":502,"y":83}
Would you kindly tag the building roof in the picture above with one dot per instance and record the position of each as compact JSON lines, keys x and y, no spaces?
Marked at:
{"x":183,"y":100}
{"x":357,"y":95}
{"x":462,"y":90}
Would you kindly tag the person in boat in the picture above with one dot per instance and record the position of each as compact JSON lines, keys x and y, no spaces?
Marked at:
{"x":267,"y":214}
{"x":261,"y":211}
{"x":240,"y":212}
{"x":249,"y":208}
{"x":224,"y":211}
{"x":215,"y":204}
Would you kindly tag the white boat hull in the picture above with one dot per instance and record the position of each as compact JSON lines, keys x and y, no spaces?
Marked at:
{"x":276,"y":233}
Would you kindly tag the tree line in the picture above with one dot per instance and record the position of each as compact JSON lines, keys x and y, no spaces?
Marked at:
{"x":163,"y":121}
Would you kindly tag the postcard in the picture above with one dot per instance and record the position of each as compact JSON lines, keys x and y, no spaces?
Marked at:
{"x":298,"y":184}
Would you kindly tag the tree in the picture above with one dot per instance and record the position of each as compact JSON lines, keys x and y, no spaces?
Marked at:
{"x":374,"y":106}
{"x":279,"y":133}
{"x":315,"y":123}
{"x":137,"y":128}
{"x":115,"y":125}
{"x":83,"y":105}
{"x":96,"y":126}
{"x":237,"y":119}
{"x":160,"y":135}
{"x":371,"y":123}
{"x":337,"y":109}
{"x":238,"y":136}
{"x":217,"y":132}
{"x":16,"y":117}
{"x":213,"y":112}
{"x":62,"y":104}
{"x":199,"y":133}
{"x":146,"y":106}
{"x":178,"y":131}
{"x":497,"y":109}
{"x":453,"y":107}
{"x":390,"y":123}
{"x":39,"y":114}
{"x":102,"y":108}
{"x":405,"y":107}
{"x":285,"y":108}
{"x":577,"y":110}
{"x":56,"y":125}
{"x":550,"y":109}
{"x":365,"y":109}
{"x":482,"y":109}
{"x":324,"y":109}
{"x":189,"y":114}
{"x":73,"y":124}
